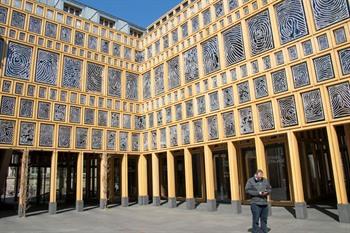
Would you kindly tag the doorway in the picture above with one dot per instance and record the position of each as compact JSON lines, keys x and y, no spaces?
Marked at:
{"x":91,"y":179}
{"x":114,"y":181}
{"x":198,"y":177}
{"x":222,"y":177}
{"x":180,"y":186}
{"x":133,"y":190}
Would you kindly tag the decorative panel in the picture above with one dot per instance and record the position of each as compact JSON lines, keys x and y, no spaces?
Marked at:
{"x":151,"y":120}
{"x":168,"y":114}
{"x":96,"y":139}
{"x":135,"y":141}
{"x":260,"y":86}
{"x":66,"y":34}
{"x":35,"y":25}
{"x":46,"y":67}
{"x":159,"y":79}
{"x":243,"y":92}
{"x":74,"y":114}
{"x":288,"y":111}
{"x":163,"y":138}
{"x":191,"y":64}
{"x":8,"y":105}
{"x":114,"y":82}
{"x":266,"y":119}
{"x":111,"y":140}
{"x":233,"y":44}
{"x":328,"y":12}
{"x":178,"y":112}
{"x":19,"y":58}
{"x":60,"y":112}
{"x":26,"y":108}
{"x":198,"y":130}
{"x":140,"y":122}
{"x":291,"y":20}
{"x":27,"y":133}
{"x":279,"y":81}
{"x":81,"y":138}
{"x":131,"y":91}
{"x":7,"y":131}
{"x":145,"y":141}
{"x":211,"y":55}
{"x":246,"y":120}
{"x":339,"y":96}
{"x":72,"y":69}
{"x":146,"y":85}
{"x":92,"y":42}
{"x":64,"y":136}
{"x":159,"y":118}
{"x":313,"y":108}
{"x":201,"y":106}
{"x":185,"y":132}
{"x":173,"y":73}
{"x":173,"y":135}
{"x":94,"y":77}
{"x":344,"y":57}
{"x":44,"y":110}
{"x":323,"y":68}
{"x":18,"y":19}
{"x":213,"y":132}
{"x":189,"y":108}
{"x":46,"y":135}
{"x":126,"y":121}
{"x":50,"y":30}
{"x":3,"y":15}
{"x":219,"y":9}
{"x":154,"y":139}
{"x":115,"y":119}
{"x":89,"y":116}
{"x":214,"y":101}
{"x":229,"y":124}
{"x":260,"y":33}
{"x":228,"y":96}
{"x":300,"y":75}
{"x":104,"y":46}
{"x":79,"y":38}
{"x":102,"y":118}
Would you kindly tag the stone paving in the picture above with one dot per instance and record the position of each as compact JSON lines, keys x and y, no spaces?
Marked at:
{"x":151,"y":219}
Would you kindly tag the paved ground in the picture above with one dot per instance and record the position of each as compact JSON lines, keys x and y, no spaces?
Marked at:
{"x":150,"y":219}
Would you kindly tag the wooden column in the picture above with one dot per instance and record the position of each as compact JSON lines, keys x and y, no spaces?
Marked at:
{"x":155,"y":179}
{"x":22,"y":203}
{"x":80,"y":170}
{"x":53,"y":183}
{"x":234,"y":179}
{"x":103,"y":180}
{"x":190,"y":201}
{"x":125,"y":195}
{"x":171,"y":180}
{"x":209,"y":178}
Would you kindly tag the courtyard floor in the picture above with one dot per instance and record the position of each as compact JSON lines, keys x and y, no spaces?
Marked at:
{"x":150,"y":219}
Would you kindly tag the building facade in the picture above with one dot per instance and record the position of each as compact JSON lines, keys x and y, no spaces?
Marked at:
{"x":96,"y":110}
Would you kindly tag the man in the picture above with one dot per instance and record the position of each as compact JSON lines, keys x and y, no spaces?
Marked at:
{"x":259,"y":188}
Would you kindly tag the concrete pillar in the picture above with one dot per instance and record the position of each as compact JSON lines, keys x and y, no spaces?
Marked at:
{"x":171,"y":180}
{"x":338,"y":173}
{"x":234,"y":179}
{"x":22,"y":202}
{"x":80,"y":169}
{"x":103,"y":180}
{"x":190,"y":201}
{"x":155,"y":179}
{"x":209,"y":178}
{"x":300,"y":205}
{"x":53,"y":183}
{"x":125,"y":194}
{"x":142,"y":180}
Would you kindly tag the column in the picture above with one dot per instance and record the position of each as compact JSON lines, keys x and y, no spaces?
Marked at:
{"x":142,"y":180}
{"x":80,"y":169}
{"x":300,"y":205}
{"x":53,"y":183}
{"x":103,"y":181}
{"x":125,"y":195}
{"x":155,"y":179}
{"x":22,"y":202}
{"x":190,"y":201}
{"x":171,"y":180}
{"x":234,"y":179}
{"x":338,"y":173}
{"x":209,"y":178}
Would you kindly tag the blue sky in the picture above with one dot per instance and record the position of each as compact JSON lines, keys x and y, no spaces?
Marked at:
{"x":140,"y":12}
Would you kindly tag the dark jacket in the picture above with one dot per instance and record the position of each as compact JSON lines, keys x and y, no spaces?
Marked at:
{"x":254,"y":186}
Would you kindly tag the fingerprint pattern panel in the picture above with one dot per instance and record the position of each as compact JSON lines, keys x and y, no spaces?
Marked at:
{"x":146,"y":80}
{"x":94,"y":77}
{"x":81,"y":138}
{"x":19,"y":58}
{"x":228,"y":97}
{"x":6,"y":131}
{"x":213,"y":127}
{"x":291,"y":20}
{"x":46,"y":67}
{"x":300,"y":75}
{"x":185,"y":130}
{"x":260,"y":33}
{"x":135,"y":141}
{"x":159,"y":79}
{"x":96,"y":141}
{"x":328,"y":12}
{"x":64,"y":136}
{"x":313,"y":108}
{"x":26,"y":135}
{"x":340,"y":99}
{"x":111,"y":138}
{"x":26,"y":108}
{"x":114,"y":82}
{"x":46,"y":135}
{"x":260,"y":85}
{"x":174,"y":73}
{"x":266,"y":119}
{"x":211,"y":55}
{"x":344,"y":57}
{"x":131,"y":91}
{"x":72,"y":69}
{"x":191,"y":65}
{"x":123,"y":142}
{"x":246,"y":120}
{"x":229,"y":125}
{"x":243,"y":92}
{"x":8,"y":105}
{"x":323,"y":68}
{"x":279,"y":81}
{"x":233,"y":44}
{"x":173,"y":135}
{"x":198,"y":130}
{"x":288,"y":111}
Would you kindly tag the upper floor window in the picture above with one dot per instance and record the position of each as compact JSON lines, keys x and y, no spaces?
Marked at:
{"x":106,"y":22}
{"x":72,"y":9}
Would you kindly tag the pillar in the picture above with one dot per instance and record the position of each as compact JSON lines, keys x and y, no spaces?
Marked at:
{"x":171,"y":180}
{"x":53,"y":183}
{"x":209,"y":178}
{"x":338,"y":173}
{"x":155,"y":179}
{"x":125,"y":195}
{"x":80,"y":169}
{"x":234,"y":180}
{"x":300,"y":205}
{"x":190,"y":201}
{"x":22,"y":202}
{"x":142,"y":179}
{"x":103,"y":180}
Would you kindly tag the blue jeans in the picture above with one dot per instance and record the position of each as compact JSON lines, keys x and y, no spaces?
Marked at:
{"x":259,"y":212}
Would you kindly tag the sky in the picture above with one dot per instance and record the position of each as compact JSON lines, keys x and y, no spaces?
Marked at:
{"x":140,"y":12}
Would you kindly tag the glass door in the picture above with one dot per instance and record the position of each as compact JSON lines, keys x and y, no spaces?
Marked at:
{"x":222,"y":184}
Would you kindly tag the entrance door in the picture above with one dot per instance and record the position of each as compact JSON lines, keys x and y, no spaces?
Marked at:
{"x":222,"y":184}
{"x":91,"y":179}
{"x":114,"y":181}
{"x":180,"y":185}
{"x":198,"y":177}
{"x":163,"y":176}
{"x":132,"y":179}
{"x":248,"y":165}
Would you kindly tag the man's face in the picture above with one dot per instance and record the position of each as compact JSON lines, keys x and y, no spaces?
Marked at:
{"x":260,"y":175}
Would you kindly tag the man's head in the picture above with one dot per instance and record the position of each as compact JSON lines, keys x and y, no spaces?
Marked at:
{"x":259,"y":174}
